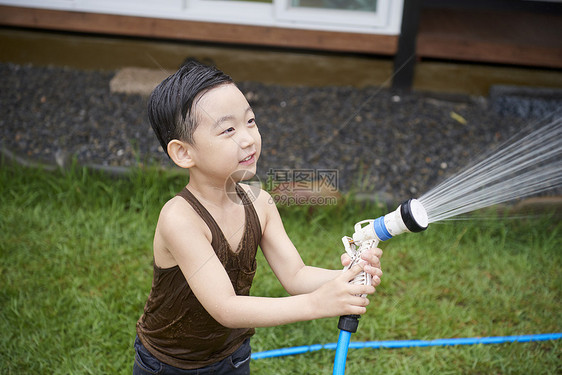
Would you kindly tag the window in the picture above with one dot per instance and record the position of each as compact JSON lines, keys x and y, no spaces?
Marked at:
{"x":356,"y":14}
{"x":362,"y":16}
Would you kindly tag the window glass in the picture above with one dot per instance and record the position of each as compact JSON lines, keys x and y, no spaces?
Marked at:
{"x":249,"y":1}
{"x":362,"y":5}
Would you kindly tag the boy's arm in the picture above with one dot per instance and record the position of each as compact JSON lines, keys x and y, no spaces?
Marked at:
{"x":188,"y":241}
{"x":286,"y":262}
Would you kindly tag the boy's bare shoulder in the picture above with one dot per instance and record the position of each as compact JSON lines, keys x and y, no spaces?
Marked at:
{"x":178,"y":214}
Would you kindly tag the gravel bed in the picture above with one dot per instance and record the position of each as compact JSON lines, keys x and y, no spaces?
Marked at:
{"x":394,"y":144}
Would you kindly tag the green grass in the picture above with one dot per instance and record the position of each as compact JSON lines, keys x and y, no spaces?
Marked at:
{"x":75,"y":266}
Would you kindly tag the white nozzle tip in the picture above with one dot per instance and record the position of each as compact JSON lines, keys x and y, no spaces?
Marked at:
{"x":419,"y":213}
{"x":414,"y":215}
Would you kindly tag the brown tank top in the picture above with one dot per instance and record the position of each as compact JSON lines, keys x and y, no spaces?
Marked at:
{"x":175,"y":327}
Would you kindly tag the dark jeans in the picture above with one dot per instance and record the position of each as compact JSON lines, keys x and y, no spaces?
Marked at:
{"x":238,"y":363}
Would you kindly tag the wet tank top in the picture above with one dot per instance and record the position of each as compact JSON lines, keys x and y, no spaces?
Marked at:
{"x":175,"y":327}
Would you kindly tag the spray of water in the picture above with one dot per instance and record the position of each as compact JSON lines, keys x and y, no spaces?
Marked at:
{"x":527,"y":164}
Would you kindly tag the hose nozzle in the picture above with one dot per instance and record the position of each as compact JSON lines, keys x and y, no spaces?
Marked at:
{"x":410,"y":216}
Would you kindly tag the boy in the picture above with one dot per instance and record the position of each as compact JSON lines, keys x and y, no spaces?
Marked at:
{"x":199,"y":316}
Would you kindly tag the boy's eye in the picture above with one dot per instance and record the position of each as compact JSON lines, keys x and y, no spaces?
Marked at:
{"x":251,"y":121}
{"x":229,"y":130}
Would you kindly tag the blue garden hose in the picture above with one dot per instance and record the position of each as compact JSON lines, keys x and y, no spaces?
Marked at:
{"x":347,"y":325}
{"x":341,"y":352}
{"x":396,"y":344}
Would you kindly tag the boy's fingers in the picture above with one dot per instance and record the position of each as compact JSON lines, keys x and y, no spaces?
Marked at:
{"x":374,"y":271}
{"x":359,"y":301}
{"x":372,"y":256}
{"x":360,"y":290}
{"x":345,"y":259}
{"x":352,"y":272}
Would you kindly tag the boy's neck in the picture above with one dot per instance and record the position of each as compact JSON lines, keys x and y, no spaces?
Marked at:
{"x":220,"y":196}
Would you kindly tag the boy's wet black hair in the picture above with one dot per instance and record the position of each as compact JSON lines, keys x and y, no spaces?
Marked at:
{"x":171,"y":103}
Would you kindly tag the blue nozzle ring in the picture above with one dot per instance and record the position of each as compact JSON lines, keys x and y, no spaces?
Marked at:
{"x":380,"y":229}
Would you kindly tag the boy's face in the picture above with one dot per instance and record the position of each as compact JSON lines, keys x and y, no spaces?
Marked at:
{"x":227,"y":140}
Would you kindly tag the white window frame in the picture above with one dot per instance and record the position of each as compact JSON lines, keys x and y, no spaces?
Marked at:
{"x":132,"y":7}
{"x":141,"y":8}
{"x":386,"y":20}
{"x":237,"y":12}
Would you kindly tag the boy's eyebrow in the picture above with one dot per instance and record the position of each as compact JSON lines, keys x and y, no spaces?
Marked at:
{"x":229,"y":117}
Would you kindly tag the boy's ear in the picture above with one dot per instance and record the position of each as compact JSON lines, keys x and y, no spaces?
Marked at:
{"x":180,"y":153}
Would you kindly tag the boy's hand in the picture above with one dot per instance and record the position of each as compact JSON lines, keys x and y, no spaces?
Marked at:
{"x":340,"y":297}
{"x":372,"y":263}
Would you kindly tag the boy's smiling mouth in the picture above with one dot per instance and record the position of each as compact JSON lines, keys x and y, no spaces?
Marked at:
{"x":248,"y":159}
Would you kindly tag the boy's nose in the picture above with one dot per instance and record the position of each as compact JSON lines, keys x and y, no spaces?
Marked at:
{"x":246,"y":139}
